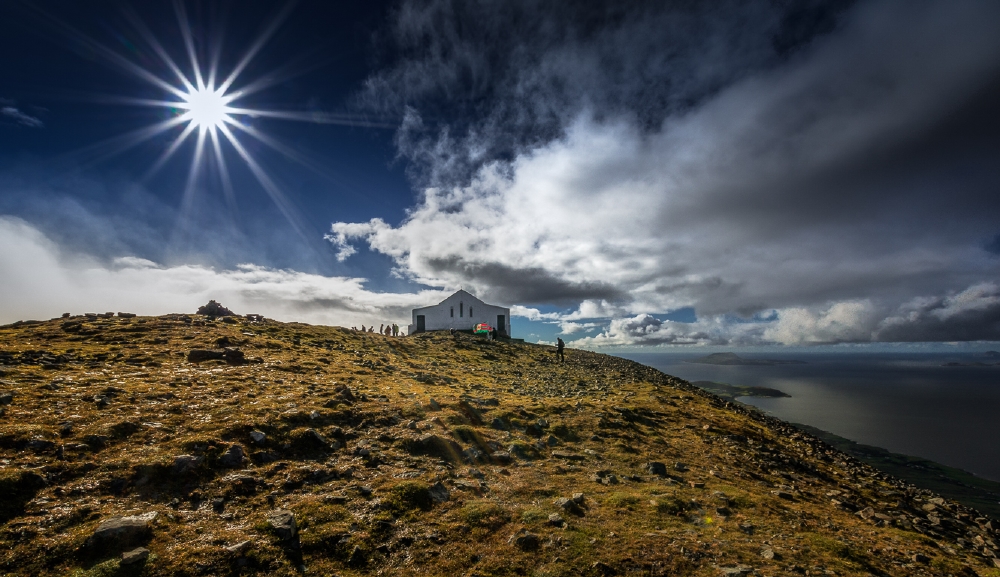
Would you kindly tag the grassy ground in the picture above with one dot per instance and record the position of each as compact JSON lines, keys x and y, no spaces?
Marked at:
{"x":424,"y":455}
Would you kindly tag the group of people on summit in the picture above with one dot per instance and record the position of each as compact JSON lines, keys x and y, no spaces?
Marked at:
{"x":391,"y":330}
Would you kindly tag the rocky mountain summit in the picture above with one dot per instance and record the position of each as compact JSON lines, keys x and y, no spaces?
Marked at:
{"x":283,"y":449}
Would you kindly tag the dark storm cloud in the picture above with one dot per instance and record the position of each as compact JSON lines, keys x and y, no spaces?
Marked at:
{"x":525,"y":285}
{"x":972,"y":315}
{"x":485,"y":80}
{"x":833,"y":167}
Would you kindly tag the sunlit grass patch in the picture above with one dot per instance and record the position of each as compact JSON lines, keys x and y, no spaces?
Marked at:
{"x":485,"y":514}
{"x":622,"y":500}
{"x":410,"y":495}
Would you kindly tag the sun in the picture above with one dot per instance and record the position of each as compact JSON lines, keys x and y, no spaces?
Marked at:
{"x":207,"y":108}
{"x":202,"y":105}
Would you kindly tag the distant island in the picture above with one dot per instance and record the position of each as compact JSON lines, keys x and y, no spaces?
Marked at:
{"x":734,"y":359}
{"x":732,"y":391}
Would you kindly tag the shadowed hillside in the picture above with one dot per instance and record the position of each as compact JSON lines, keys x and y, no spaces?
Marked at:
{"x":290,"y":448}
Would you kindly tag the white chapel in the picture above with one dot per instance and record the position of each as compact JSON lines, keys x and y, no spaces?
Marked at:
{"x":460,"y":311}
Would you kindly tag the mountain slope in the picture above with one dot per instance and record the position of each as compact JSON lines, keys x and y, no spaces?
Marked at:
{"x":319,"y":449}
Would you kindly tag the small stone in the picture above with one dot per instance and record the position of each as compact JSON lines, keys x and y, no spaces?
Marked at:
{"x":500,"y":457}
{"x":118,"y":531}
{"x":137,"y":555}
{"x":102,"y":401}
{"x":578,"y":498}
{"x":185,"y":463}
{"x":569,"y":506}
{"x":218,"y":504}
{"x":257,"y":436}
{"x":525,"y":540}
{"x":239,"y":548}
{"x":40,"y":445}
{"x":357,"y":558}
{"x":556,"y":519}
{"x":767,"y":553}
{"x":920,"y":558}
{"x":551,"y":441}
{"x":696,"y":484}
{"x":680,"y":467}
{"x":233,"y":457}
{"x":656,"y":468}
{"x":438,"y":492}
{"x":6,"y":398}
{"x":283,"y":523}
{"x":567,"y":456}
{"x":499,"y":424}
{"x":434,"y":406}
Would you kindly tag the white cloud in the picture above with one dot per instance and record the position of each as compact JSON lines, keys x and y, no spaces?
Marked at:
{"x":841,"y":322}
{"x":972,"y":314}
{"x":42,"y":280}
{"x":20,"y":117}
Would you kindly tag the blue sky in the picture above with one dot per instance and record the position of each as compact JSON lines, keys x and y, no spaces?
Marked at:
{"x":624,"y":175}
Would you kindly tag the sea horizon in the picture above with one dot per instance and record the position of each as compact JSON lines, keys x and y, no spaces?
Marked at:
{"x":906,"y":403}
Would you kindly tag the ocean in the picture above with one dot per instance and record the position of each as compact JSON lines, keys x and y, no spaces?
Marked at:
{"x":906,"y":403}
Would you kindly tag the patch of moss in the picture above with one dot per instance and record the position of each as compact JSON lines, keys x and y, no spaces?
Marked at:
{"x":410,"y":495}
{"x":622,"y":500}
{"x":486,"y":514}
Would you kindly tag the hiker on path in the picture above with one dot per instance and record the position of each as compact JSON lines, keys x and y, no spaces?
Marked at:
{"x":560,"y":345}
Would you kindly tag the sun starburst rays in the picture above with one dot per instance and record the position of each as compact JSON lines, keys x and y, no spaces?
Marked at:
{"x":207,"y":105}
{"x":201,"y":109}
